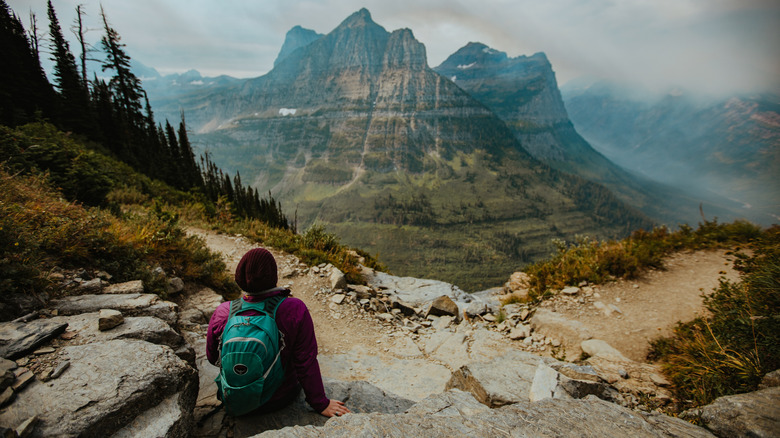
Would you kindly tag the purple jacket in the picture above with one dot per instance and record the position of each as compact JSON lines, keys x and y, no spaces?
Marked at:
{"x":299,"y":356}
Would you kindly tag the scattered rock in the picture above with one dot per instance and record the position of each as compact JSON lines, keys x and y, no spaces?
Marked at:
{"x":337,"y":279}
{"x":92,"y":286}
{"x":571,"y":290}
{"x":599,"y":348}
{"x":443,"y":305}
{"x":770,"y":380}
{"x":175,"y":285}
{"x":145,"y":328}
{"x":57,"y":372}
{"x":7,"y":396}
{"x":18,"y":338}
{"x":130,"y":287}
{"x":109,"y":319}
{"x":128,"y":304}
{"x":362,"y":292}
{"x":22,"y":380}
{"x":521,"y":331}
{"x":338,"y":298}
{"x":7,"y":375}
{"x":26,"y":428}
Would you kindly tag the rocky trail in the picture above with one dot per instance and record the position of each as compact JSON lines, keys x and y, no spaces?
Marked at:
{"x":408,"y":356}
{"x":629,"y":314}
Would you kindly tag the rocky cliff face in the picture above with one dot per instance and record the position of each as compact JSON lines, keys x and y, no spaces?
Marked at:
{"x":296,"y":38}
{"x":524,"y":93}
{"x":358,"y":133}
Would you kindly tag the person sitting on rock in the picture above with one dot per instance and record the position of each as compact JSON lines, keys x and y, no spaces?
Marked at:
{"x":256,"y":274}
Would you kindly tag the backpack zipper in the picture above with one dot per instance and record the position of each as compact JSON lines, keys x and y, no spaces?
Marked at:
{"x":245,"y":339}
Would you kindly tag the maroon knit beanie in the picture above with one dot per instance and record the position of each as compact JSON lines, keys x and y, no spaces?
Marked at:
{"x":256,"y":272}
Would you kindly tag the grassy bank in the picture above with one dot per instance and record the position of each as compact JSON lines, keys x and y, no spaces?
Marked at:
{"x":738,"y":342}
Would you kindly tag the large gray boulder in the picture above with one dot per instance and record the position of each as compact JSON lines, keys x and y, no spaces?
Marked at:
{"x":452,"y":415}
{"x":107,"y":386}
{"x":128,"y":304}
{"x":566,"y":380}
{"x":755,"y":414}
{"x":360,"y":397}
{"x":418,"y":292}
{"x":198,"y":307}
{"x":19,"y":338}
{"x":505,"y":380}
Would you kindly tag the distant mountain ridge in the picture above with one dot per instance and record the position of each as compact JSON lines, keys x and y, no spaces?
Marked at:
{"x":729,"y":147}
{"x":355,"y":132}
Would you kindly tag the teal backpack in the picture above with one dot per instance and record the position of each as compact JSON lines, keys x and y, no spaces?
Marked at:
{"x":250,"y":365}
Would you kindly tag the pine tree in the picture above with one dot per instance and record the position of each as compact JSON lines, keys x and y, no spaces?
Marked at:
{"x":191,"y":171}
{"x":73,"y":92}
{"x":125,"y":85}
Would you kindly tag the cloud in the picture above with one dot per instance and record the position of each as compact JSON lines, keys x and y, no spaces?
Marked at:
{"x":707,"y":45}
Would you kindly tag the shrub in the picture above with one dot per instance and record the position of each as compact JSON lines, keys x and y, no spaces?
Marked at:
{"x":39,"y":231}
{"x":596,"y":262}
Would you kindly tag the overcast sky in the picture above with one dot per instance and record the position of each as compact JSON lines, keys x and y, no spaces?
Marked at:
{"x":705,"y":45}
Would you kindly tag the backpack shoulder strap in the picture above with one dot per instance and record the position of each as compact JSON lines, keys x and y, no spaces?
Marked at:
{"x":235,"y":307}
{"x":272,"y":304}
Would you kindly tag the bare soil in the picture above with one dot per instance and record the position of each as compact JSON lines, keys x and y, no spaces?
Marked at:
{"x":650,"y":306}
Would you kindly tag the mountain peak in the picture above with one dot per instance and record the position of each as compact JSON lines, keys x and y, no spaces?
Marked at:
{"x":358,"y":19}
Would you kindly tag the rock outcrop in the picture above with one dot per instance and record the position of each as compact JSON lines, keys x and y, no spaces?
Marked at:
{"x":755,"y":414}
{"x":457,"y":414}
{"x":107,"y":385}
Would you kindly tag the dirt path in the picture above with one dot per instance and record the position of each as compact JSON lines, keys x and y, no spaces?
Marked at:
{"x":636,"y":312}
{"x":627,"y":315}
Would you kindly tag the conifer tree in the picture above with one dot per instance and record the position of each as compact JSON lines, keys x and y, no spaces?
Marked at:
{"x":125,"y":85}
{"x":73,"y":92}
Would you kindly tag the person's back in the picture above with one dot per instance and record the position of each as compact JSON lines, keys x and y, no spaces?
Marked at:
{"x":256,"y":275}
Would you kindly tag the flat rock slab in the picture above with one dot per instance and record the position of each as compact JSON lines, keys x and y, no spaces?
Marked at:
{"x":411,"y":378}
{"x":361,"y":397}
{"x":128,"y":304}
{"x":144,"y":328}
{"x":107,"y":385}
{"x":19,"y":338}
{"x":547,"y":418}
{"x":755,"y":414}
{"x":554,"y":324}
{"x":505,"y":380}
